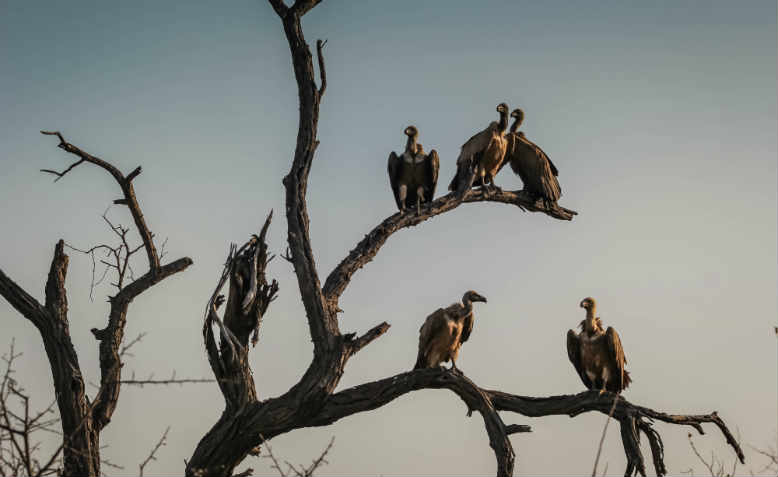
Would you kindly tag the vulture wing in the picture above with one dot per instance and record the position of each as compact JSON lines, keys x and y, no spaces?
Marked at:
{"x":574,"y":353}
{"x":478,"y":143}
{"x":394,"y":168}
{"x":431,"y":180}
{"x":467,"y":327}
{"x":434,"y":324}
{"x":617,"y":359}
{"x":470,"y":154}
{"x":535,"y":169}
{"x":543,"y":154}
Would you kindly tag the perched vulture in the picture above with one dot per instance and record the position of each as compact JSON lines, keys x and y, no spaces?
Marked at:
{"x":484,"y":153}
{"x":530,"y":163}
{"x":444,"y":331}
{"x":597,"y":354}
{"x":414,"y":175}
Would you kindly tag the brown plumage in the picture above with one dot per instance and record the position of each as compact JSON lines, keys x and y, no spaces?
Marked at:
{"x":597,"y":354}
{"x":484,"y":153}
{"x":443,"y":332}
{"x":530,"y":163}
{"x":413,"y":175}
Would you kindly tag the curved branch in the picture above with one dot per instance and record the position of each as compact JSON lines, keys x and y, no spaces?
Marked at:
{"x":370,"y":396}
{"x":112,"y":335}
{"x":126,"y":185}
{"x":368,"y":247}
{"x":321,"y":320}
{"x":22,"y":301}
{"x":633,"y":418}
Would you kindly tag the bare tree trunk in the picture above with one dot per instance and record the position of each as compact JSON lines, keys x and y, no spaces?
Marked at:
{"x":247,"y":422}
{"x":83,"y":419}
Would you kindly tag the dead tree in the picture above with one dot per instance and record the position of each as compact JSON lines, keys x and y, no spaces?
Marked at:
{"x":82,"y":417}
{"x":247,"y":422}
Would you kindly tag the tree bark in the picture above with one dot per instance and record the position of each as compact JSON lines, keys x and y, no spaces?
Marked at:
{"x":83,"y":419}
{"x":247,"y":422}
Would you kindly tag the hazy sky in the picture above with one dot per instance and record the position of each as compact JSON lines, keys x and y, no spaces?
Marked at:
{"x":660,"y":116}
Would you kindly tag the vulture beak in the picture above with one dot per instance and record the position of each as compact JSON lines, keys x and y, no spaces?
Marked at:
{"x":477,"y":297}
{"x":581,"y":304}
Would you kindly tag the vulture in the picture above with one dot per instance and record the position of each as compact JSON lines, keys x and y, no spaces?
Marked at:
{"x":483,"y":153}
{"x":413,"y":175}
{"x":444,"y":331}
{"x":531,"y":164}
{"x":597,"y":354}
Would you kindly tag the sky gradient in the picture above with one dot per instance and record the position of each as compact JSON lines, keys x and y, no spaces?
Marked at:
{"x":661,"y":118}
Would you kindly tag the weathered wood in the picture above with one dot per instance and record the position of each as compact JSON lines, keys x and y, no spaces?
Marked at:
{"x":82,"y":420}
{"x":247,"y":422}
{"x":368,"y":247}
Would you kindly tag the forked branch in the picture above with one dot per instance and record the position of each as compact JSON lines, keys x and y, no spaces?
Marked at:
{"x":368,"y":247}
{"x":248,"y":423}
{"x":125,"y":183}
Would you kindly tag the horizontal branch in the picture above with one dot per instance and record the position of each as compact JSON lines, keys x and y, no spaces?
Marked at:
{"x":370,"y":396}
{"x":368,"y":247}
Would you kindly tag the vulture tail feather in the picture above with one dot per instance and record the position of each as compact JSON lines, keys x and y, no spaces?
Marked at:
{"x":627,"y":379}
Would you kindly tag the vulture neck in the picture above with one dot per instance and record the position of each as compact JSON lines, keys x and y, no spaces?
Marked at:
{"x":515,"y":125}
{"x":503,"y":124}
{"x":467,"y":306}
{"x":591,"y":324}
{"x":410,"y":146}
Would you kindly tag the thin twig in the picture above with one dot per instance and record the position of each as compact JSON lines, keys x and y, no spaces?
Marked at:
{"x":152,"y":455}
{"x":602,"y":438}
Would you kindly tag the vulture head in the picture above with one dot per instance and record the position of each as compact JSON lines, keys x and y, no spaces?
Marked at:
{"x":587,"y":303}
{"x":471,"y":296}
{"x":411,"y":131}
{"x":502,"y":108}
{"x":518,"y":114}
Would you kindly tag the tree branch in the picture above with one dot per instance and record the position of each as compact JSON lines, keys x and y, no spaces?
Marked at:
{"x":368,"y":247}
{"x":301,"y":7}
{"x":22,"y":301}
{"x":322,"y":71}
{"x":126,"y":185}
{"x":152,"y":456}
{"x":112,"y":335}
{"x":370,"y":396}
{"x":321,"y":320}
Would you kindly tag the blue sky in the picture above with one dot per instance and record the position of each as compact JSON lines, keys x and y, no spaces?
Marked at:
{"x":660,"y":116}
